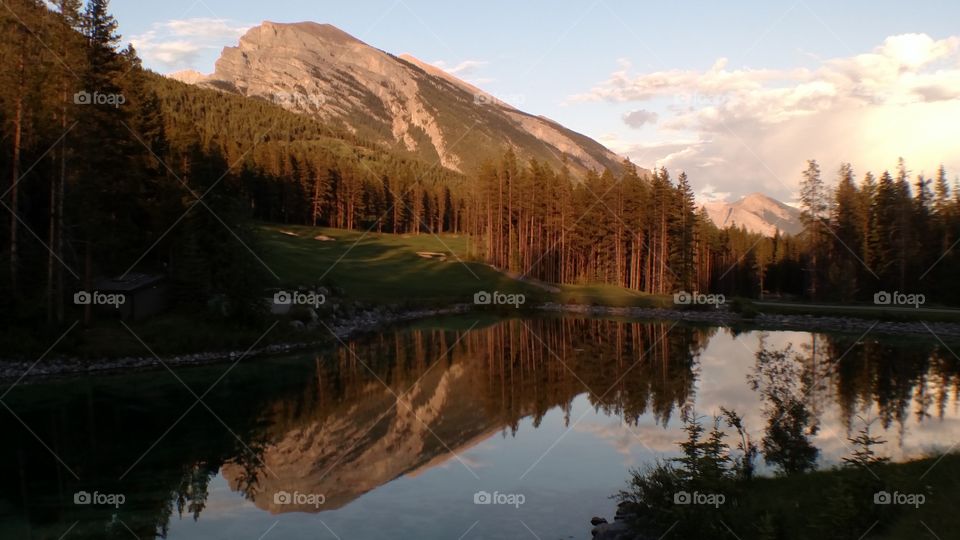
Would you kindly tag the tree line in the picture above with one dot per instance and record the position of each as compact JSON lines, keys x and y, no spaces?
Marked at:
{"x":112,"y":169}
{"x":892,"y":232}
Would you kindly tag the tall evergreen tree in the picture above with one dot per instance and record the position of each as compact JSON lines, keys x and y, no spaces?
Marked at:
{"x":847,"y":234}
{"x":814,"y":204}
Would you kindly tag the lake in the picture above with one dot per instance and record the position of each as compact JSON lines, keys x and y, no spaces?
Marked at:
{"x":460,"y":428}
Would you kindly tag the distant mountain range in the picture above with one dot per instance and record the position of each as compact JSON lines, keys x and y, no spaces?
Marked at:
{"x":399,"y":101}
{"x":757,"y":213}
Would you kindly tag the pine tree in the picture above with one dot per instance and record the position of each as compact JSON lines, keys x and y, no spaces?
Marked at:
{"x":813,"y":200}
{"x":904,"y":238}
{"x":18,"y":19}
{"x":884,"y":231}
{"x":865,"y":211}
{"x":104,"y":195}
{"x":943,"y":210}
{"x":682,"y":237}
{"x":69,"y":48}
{"x":847,"y":234}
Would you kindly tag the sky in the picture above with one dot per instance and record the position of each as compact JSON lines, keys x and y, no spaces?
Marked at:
{"x":737,"y":94}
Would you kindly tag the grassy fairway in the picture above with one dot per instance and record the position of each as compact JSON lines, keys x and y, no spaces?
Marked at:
{"x":383,"y":268}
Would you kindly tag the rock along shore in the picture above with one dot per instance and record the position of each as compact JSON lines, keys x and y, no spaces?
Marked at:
{"x":807,"y":323}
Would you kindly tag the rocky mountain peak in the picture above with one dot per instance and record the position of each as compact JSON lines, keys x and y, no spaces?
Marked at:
{"x":401,"y":102}
{"x":758,"y":213}
{"x":300,"y":35}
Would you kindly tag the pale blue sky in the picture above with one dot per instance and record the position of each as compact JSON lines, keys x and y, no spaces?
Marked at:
{"x":542,"y":53}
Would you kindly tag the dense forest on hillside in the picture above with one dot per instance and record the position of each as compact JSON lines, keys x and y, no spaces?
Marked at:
{"x":110,"y":169}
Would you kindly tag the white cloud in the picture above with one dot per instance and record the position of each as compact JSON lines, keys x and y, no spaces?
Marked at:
{"x":179,"y":43}
{"x":462,"y":69}
{"x":752,"y":129}
{"x":639,"y":118}
{"x":709,"y":193}
{"x":173,"y":53}
{"x":466,"y":70}
{"x":206,"y":27}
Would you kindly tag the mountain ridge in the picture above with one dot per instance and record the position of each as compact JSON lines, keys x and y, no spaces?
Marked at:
{"x":401,"y":101}
{"x":757,"y":213}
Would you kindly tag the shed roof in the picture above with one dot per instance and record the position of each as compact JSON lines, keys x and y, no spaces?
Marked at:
{"x":128,"y":282}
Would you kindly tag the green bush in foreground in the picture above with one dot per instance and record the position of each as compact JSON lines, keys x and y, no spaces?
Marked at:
{"x":710,"y":492}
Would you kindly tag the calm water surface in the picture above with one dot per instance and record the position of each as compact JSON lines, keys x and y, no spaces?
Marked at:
{"x":398,"y":434}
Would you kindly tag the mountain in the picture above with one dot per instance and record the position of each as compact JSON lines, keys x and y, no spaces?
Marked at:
{"x":188,"y":76}
{"x":399,"y":101}
{"x":757,"y":213}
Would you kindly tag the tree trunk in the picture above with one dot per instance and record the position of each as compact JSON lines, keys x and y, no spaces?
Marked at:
{"x":15,"y":175}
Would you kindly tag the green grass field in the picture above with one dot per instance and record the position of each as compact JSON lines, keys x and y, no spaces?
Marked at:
{"x":385,"y":269}
{"x":382,"y":268}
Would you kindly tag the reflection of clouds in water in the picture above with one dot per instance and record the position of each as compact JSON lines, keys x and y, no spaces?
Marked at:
{"x":915,"y":439}
{"x":460,"y":461}
{"x":722,"y":382}
{"x":636,"y":443}
{"x":726,"y":361}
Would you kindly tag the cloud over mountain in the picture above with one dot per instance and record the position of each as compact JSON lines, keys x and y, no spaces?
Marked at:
{"x":178,"y":43}
{"x":639,"y":118}
{"x":899,"y":99}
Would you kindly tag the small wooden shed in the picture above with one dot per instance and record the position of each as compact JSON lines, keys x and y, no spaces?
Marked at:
{"x":145,"y":294}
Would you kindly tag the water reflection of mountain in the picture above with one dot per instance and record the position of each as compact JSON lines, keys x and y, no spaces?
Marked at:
{"x":330,"y":425}
{"x":348,"y":433}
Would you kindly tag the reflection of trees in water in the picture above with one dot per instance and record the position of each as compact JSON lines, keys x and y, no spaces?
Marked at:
{"x":786,"y":379}
{"x":896,"y":378}
{"x":464,"y":384}
{"x":861,"y":376}
{"x":123,"y":436}
{"x":517,"y":368}
{"x":866,"y":378}
{"x":192,"y":491}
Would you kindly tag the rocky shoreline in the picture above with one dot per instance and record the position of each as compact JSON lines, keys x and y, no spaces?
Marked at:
{"x":618,"y":529}
{"x":765,"y":321}
{"x":372,"y":320}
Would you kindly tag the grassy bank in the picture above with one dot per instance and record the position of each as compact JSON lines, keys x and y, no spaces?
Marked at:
{"x":820,"y":501}
{"x":710,"y":492}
